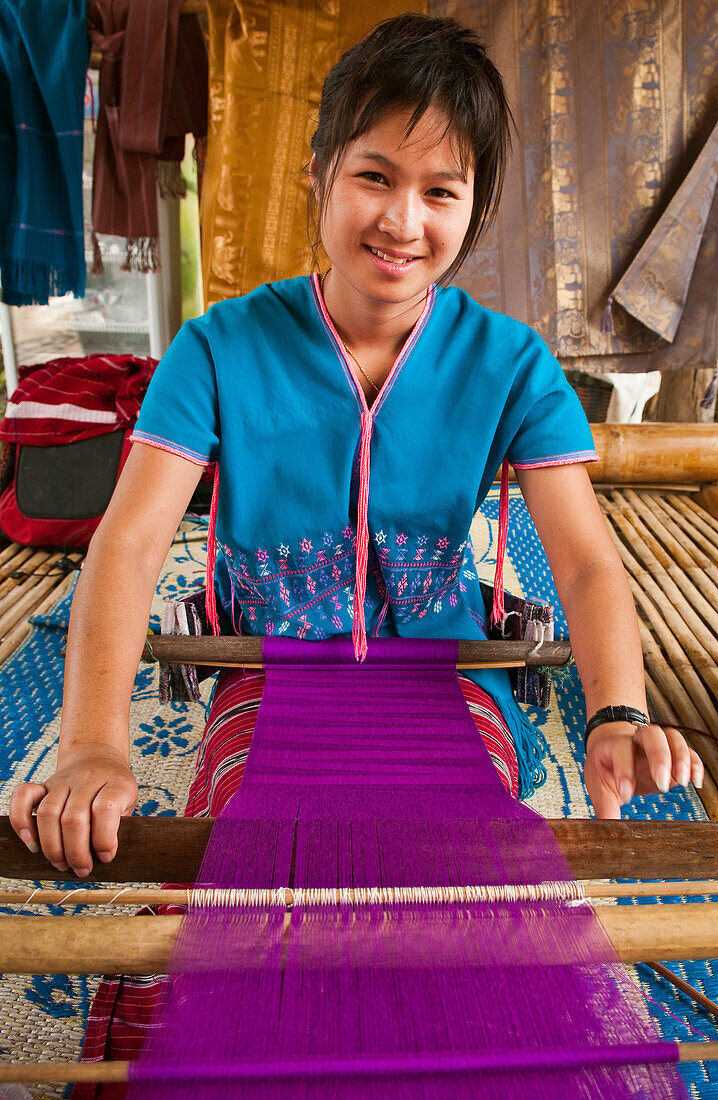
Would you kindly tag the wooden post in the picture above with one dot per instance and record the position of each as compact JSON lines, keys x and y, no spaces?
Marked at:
{"x":708,"y":499}
{"x":681,"y":393}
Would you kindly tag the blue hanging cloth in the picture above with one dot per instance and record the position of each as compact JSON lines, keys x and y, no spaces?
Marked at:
{"x":44,"y":52}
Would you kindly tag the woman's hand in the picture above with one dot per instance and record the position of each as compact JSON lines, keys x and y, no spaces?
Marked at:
{"x":80,"y":805}
{"x":623,"y":760}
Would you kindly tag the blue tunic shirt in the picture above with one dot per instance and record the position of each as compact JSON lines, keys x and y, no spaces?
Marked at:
{"x":262,"y":386}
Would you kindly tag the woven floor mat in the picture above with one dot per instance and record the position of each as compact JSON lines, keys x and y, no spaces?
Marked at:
{"x":43,"y":1017}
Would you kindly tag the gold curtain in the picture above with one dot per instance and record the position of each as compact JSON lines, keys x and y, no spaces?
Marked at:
{"x":614,"y":102}
{"x":268,"y":60}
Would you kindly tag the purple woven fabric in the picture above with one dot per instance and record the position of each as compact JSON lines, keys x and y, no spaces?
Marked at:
{"x":374,"y":775}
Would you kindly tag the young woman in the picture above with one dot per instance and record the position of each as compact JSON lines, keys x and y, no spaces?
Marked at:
{"x":357,"y":420}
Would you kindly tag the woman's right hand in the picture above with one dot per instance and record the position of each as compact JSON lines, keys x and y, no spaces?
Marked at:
{"x":77,"y":807}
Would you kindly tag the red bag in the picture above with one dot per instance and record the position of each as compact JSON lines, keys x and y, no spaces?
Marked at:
{"x":70,"y":421}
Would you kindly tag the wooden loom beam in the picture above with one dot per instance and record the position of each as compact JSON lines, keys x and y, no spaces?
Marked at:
{"x":142,"y":944}
{"x":171,"y":850}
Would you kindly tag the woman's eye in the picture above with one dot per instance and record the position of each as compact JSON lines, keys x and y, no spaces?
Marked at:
{"x":375,"y":177}
{"x":441,"y":193}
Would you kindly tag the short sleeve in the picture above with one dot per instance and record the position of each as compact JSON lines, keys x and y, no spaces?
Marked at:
{"x":179,"y":413}
{"x":552,"y":427}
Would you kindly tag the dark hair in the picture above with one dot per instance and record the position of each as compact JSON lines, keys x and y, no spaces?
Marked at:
{"x":417,"y":61}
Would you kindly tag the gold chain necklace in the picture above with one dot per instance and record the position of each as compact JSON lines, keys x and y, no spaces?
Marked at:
{"x":346,"y":347}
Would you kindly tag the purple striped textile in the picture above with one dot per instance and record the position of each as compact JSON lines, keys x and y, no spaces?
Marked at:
{"x":509,"y":999}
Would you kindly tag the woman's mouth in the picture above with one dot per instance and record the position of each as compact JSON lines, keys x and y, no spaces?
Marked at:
{"x":389,"y":263}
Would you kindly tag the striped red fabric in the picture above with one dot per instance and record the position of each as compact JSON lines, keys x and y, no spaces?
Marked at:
{"x":76,"y":398}
{"x":122,"y":1010}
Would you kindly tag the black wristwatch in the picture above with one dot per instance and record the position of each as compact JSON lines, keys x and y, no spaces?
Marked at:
{"x":615,"y":714}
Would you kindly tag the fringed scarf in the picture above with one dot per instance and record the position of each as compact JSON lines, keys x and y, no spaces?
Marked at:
{"x":153,"y":90}
{"x":44,"y":52}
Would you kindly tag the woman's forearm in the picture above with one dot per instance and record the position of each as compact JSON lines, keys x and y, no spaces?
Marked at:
{"x":603,"y":628}
{"x":108,"y":625}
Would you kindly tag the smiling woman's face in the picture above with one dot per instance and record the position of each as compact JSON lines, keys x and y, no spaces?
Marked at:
{"x":398,"y":210}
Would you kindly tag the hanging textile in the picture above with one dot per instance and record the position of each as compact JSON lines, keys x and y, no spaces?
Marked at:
{"x":267,"y":65}
{"x":153,"y":90}
{"x":614,"y":108}
{"x":41,"y":109}
{"x":388,"y":995}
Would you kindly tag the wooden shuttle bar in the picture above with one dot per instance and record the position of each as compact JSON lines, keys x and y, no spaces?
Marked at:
{"x":232,"y":651}
{"x":118,"y":1072}
{"x":170,"y":850}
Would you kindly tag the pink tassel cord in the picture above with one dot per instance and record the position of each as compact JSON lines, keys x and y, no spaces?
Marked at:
{"x":362,"y":552}
{"x":498,"y":610}
{"x":211,"y":595}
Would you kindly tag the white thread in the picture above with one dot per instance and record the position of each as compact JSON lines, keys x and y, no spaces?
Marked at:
{"x":119,"y":894}
{"x":27,"y":900}
{"x":313,"y":897}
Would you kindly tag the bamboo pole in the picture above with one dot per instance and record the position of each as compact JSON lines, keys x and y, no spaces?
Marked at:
{"x":10,"y":550}
{"x":232,"y":650}
{"x":700,"y":643}
{"x":686,"y":553}
{"x":680,"y":663}
{"x":13,"y":556}
{"x":659,"y":453}
{"x":28,"y":563}
{"x":30,"y":594}
{"x":664,"y":714}
{"x":142,"y":944}
{"x":691,"y":529}
{"x":651,"y":553}
{"x":666,"y":678}
{"x":22,"y":898}
{"x":705,"y":522}
{"x":117,"y":1072}
{"x":16,"y":636}
{"x":678,"y":697}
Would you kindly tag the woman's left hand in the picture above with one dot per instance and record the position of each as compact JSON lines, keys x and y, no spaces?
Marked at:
{"x":623,"y":760}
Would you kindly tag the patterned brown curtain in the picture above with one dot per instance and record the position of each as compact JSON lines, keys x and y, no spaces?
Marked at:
{"x":611,"y":190}
{"x":615,"y":102}
{"x":268,"y":60}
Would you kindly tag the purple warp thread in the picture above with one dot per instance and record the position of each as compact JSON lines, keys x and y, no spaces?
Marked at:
{"x":375,"y":775}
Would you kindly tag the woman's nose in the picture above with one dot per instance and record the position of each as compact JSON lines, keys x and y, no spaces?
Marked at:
{"x":401,"y":218}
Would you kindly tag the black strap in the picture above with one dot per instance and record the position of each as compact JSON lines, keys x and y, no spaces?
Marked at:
{"x":615,"y":714}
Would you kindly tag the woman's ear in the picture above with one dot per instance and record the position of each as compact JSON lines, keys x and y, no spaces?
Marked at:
{"x":313,"y":173}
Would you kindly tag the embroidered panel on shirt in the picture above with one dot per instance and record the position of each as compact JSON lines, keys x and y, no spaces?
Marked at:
{"x":306,"y":587}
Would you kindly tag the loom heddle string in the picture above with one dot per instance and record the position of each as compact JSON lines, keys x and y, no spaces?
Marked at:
{"x":376,"y":776}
